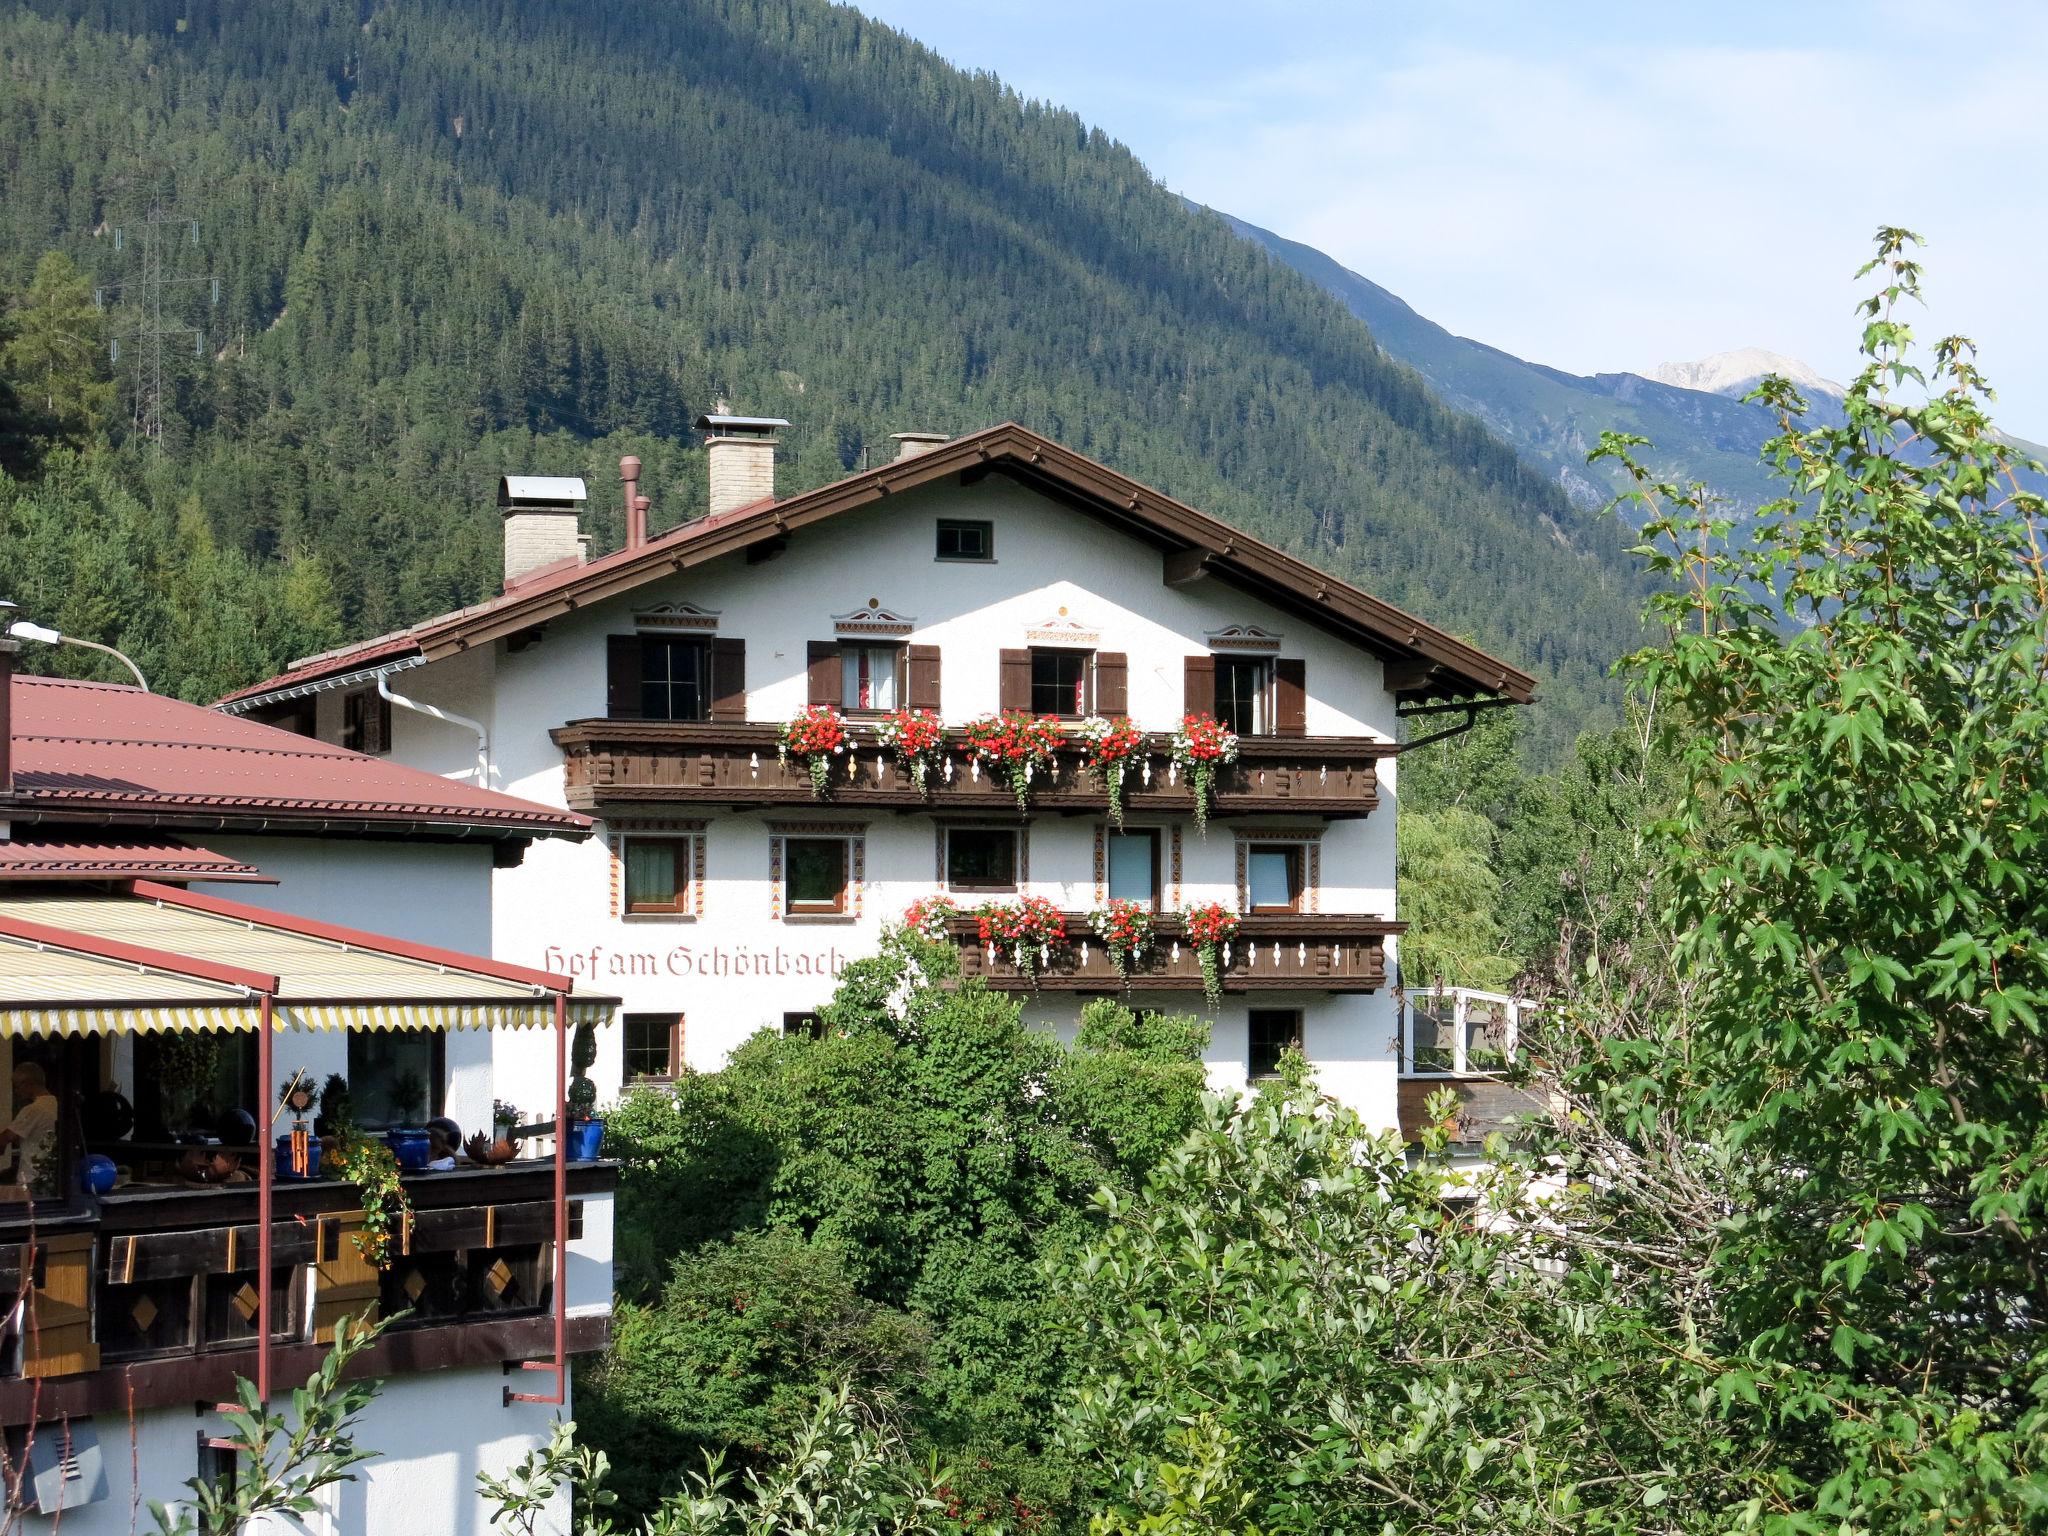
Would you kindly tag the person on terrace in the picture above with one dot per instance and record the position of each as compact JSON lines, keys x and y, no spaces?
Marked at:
{"x":34,"y":1127}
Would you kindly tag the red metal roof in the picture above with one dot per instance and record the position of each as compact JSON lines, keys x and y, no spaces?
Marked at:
{"x":112,"y":753}
{"x":1440,"y":664}
{"x":145,"y":856}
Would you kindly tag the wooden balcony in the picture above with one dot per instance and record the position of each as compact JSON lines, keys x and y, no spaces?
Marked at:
{"x":619,"y":764}
{"x":1277,"y":953}
{"x":154,"y":1293}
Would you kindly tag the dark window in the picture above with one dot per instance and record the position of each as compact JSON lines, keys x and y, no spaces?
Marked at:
{"x":962,"y":540}
{"x":1243,"y":686}
{"x":657,"y":874}
{"x":981,"y":859}
{"x":189,"y":1083}
{"x":366,"y":722}
{"x":1273,"y":871}
{"x":1273,"y":1031}
{"x":675,"y":678}
{"x":396,"y":1076}
{"x":815,"y":871}
{"x":1134,"y":866}
{"x":803,"y":1024}
{"x":654,"y":1045}
{"x":299,"y":716}
{"x":1059,"y":682}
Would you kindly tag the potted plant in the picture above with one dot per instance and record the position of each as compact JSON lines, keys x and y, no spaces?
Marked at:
{"x":501,"y":1144}
{"x":917,"y":740}
{"x":584,"y":1130}
{"x":814,"y":736}
{"x":1202,"y":745}
{"x":372,"y":1167}
{"x":1114,"y":748}
{"x":408,"y":1139}
{"x":928,"y":916}
{"x":1125,"y":928}
{"x":1210,"y":930}
{"x":1015,"y":748}
{"x":1031,"y":931}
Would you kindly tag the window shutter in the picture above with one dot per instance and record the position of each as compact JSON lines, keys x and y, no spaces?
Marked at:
{"x":1200,"y":697}
{"x":622,"y":677}
{"x":1290,"y":696}
{"x":1015,"y":692}
{"x":922,"y":688}
{"x":1112,"y":683}
{"x":728,"y":679}
{"x":821,"y":663}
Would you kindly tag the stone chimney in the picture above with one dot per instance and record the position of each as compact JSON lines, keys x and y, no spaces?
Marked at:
{"x":742,"y":454}
{"x":910,"y":444}
{"x":7,"y":652}
{"x":542,"y":522}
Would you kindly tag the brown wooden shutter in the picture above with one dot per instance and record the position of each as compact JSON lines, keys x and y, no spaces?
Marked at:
{"x":1200,"y":696}
{"x":1015,"y":689}
{"x":728,"y":679}
{"x":922,"y":688}
{"x":1290,"y":696}
{"x":821,"y":664}
{"x":1112,"y":683}
{"x":622,"y":677}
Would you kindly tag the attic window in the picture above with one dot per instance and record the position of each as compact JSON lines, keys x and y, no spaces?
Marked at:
{"x":965,"y":539}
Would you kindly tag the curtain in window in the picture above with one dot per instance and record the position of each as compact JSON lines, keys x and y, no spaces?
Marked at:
{"x":868,"y":677}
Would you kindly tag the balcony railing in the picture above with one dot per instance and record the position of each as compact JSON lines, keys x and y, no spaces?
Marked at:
{"x":1272,"y":953}
{"x":613,"y":764}
{"x":155,"y":1292}
{"x":1462,"y":1040}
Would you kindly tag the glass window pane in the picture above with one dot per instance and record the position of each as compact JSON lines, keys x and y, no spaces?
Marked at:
{"x":648,"y":1037}
{"x":651,"y":868}
{"x":672,"y":678}
{"x":867,"y":677}
{"x":1131,"y":866}
{"x":1272,"y":1031}
{"x":816,"y":872}
{"x":1059,"y":682}
{"x":981,"y":858}
{"x":391,"y":1076}
{"x":1241,"y":693}
{"x":1272,"y":877}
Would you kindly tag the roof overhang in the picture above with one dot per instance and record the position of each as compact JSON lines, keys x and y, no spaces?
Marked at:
{"x":360,"y":677}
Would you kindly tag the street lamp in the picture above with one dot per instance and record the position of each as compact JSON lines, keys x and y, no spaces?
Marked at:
{"x":23,"y":629}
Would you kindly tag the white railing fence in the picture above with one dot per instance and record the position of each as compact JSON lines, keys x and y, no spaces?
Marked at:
{"x":1459,"y":1031}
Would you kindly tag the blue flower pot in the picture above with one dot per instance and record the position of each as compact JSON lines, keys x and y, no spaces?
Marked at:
{"x":96,"y":1174}
{"x":284,"y":1158}
{"x":411,"y":1148}
{"x":585,"y":1137}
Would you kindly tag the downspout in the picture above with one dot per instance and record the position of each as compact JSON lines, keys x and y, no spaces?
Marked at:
{"x":483,"y":737}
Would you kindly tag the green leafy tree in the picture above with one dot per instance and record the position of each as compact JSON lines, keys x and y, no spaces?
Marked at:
{"x":1450,"y":898}
{"x":54,"y":353}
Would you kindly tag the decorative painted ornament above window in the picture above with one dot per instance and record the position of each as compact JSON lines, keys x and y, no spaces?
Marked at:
{"x":873,"y":619}
{"x":1242,"y":637}
{"x":676,"y":616}
{"x":1062,"y":629}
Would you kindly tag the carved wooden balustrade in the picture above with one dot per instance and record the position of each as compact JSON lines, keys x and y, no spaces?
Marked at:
{"x":618,"y":763}
{"x":1273,"y":952}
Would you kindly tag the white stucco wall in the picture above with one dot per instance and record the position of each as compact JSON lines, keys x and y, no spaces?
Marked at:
{"x":1052,"y":566}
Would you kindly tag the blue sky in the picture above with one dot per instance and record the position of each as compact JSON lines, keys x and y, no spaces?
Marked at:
{"x":1594,"y":186}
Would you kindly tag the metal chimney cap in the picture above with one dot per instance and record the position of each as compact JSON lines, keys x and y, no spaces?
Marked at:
{"x":920,"y":437}
{"x":541,"y":491}
{"x":739,"y":426}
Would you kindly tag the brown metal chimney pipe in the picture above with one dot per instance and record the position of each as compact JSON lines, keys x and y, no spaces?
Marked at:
{"x":636,"y":504}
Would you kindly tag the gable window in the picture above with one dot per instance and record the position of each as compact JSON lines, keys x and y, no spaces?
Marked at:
{"x":1273,"y":877}
{"x":1133,"y":860}
{"x":814,"y":876}
{"x":981,"y":858}
{"x":1243,"y":693}
{"x":1059,"y":682}
{"x":675,"y":678}
{"x":653,"y":1047}
{"x":1272,"y":1032}
{"x":868,"y":676}
{"x":366,"y":722}
{"x":658,"y":871}
{"x":396,"y":1076}
{"x":964,"y":539}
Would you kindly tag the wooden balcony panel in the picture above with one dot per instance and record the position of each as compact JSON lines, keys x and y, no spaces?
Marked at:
{"x":1310,"y":953}
{"x":614,"y":763}
{"x":1484,"y":1105}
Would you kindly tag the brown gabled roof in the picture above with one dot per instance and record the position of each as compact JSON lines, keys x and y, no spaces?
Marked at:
{"x":108,"y":754}
{"x":1424,"y":662}
{"x":137,"y":856}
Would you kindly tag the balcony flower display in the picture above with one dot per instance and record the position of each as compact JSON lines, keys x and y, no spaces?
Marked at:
{"x":1210,"y":930}
{"x":1031,"y":931}
{"x":1015,"y":747}
{"x":1202,"y":745}
{"x":1125,"y":928}
{"x":918,"y":741}
{"x":1114,"y":748}
{"x":814,"y":736}
{"x":928,"y":915}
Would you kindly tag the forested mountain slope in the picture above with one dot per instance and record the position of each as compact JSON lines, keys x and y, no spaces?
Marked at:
{"x":458,"y":238}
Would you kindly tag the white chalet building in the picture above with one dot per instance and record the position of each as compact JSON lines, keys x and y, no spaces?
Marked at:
{"x":996,"y":571}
